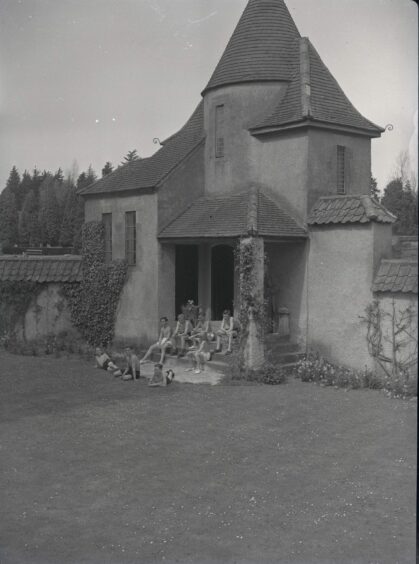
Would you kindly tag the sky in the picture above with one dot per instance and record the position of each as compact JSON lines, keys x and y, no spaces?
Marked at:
{"x":89,"y":80}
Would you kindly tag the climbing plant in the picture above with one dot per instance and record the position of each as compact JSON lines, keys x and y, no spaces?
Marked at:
{"x":252,"y":310}
{"x":395,"y":350}
{"x":246,"y":254}
{"x":93,"y":302}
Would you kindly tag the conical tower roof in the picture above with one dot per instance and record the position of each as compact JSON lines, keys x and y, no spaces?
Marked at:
{"x":263,"y":47}
{"x":314,"y":94}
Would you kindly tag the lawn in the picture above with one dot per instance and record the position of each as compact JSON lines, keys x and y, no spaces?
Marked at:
{"x":95,"y":470}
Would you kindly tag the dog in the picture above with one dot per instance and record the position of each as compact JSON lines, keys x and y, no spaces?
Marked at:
{"x":170,"y":375}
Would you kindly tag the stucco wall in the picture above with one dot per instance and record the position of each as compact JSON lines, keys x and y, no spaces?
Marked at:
{"x":184,"y":185}
{"x":137,"y":316}
{"x":48,"y":314}
{"x":382,"y":243}
{"x":280,"y":169}
{"x":340,"y":276}
{"x":322,"y":164}
{"x":244,"y":105}
{"x":287,"y":265}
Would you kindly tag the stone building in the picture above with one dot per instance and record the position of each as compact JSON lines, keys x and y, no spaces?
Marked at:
{"x":274,"y":149}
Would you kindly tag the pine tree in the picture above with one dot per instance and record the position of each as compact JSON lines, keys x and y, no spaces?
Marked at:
{"x":107,"y":169}
{"x":84,"y":180}
{"x":69,"y":215}
{"x":374,"y":191}
{"x":401,"y":200}
{"x":24,"y":188}
{"x":37,"y":179}
{"x":49,"y":212}
{"x":13,"y":184}
{"x":130,"y":157}
{"x":8,"y":218}
{"x":59,"y":175}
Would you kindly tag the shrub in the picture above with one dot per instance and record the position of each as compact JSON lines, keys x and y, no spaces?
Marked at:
{"x":93,"y":303}
{"x":314,"y":368}
{"x":267,"y":374}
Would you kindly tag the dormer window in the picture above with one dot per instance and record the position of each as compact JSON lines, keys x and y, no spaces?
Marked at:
{"x":219,"y":131}
{"x":107,"y":223}
{"x":340,"y":169}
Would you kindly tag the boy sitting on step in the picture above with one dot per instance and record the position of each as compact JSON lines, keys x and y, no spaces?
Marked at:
{"x":199,"y":354}
{"x":162,"y":344}
{"x":181,"y":334}
{"x":226,"y":330}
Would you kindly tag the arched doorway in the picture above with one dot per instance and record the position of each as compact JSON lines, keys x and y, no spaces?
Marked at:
{"x":186,"y":280}
{"x":222,"y":280}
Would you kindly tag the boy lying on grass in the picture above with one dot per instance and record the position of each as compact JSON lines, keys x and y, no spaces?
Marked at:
{"x":104,"y":361}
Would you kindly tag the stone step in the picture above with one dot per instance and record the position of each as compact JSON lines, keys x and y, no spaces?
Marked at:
{"x":284,"y":358}
{"x":216,"y":363}
{"x":281,"y":348}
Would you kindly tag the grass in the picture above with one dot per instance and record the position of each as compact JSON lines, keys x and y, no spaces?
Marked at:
{"x":95,"y":470}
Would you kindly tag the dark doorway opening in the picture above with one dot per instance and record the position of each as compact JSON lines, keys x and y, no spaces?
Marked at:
{"x":186,"y":280}
{"x":222,"y":280}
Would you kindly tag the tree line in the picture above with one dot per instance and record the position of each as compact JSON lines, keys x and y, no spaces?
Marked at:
{"x":45,"y":208}
{"x":400,"y":197}
{"x":38,"y":209}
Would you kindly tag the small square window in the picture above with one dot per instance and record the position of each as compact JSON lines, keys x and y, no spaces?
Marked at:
{"x":219,"y":131}
{"x":340,"y":169}
{"x":130,"y":238}
{"x":107,"y":222}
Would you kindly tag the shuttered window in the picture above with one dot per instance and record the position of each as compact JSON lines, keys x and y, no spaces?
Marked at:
{"x":107,"y":222}
{"x":130,"y":238}
{"x":340,"y":169}
{"x":219,"y":131}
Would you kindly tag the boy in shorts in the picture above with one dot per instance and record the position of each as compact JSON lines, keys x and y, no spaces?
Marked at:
{"x":132,"y":370}
{"x":104,"y":361}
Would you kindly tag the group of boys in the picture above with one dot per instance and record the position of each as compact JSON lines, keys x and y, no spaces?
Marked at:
{"x":188,"y":338}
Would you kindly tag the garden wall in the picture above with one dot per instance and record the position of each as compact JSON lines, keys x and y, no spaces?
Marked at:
{"x":397,"y":310}
{"x":340,"y":276}
{"x":48,"y":314}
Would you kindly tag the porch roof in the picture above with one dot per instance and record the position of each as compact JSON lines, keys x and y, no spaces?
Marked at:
{"x":233,"y":215}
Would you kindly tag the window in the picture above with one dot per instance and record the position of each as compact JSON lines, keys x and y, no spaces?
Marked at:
{"x":130,"y":238}
{"x":219,"y":131}
{"x":340,"y":169}
{"x":107,"y":222}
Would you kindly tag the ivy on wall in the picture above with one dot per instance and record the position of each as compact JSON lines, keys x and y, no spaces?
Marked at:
{"x":246,"y":253}
{"x":93,"y":303}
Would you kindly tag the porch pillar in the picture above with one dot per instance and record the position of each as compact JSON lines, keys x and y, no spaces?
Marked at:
{"x":166,"y":281}
{"x":204,"y":277}
{"x":252,"y":299}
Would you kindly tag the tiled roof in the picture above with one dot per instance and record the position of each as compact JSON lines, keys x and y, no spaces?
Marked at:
{"x":233,"y":215}
{"x":147,"y":173}
{"x":326,"y":101}
{"x":348,"y":209}
{"x":397,"y":276}
{"x":264,"y":46}
{"x":40,"y":269}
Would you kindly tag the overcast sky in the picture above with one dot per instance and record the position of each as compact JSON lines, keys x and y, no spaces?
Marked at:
{"x":91,"y":79}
